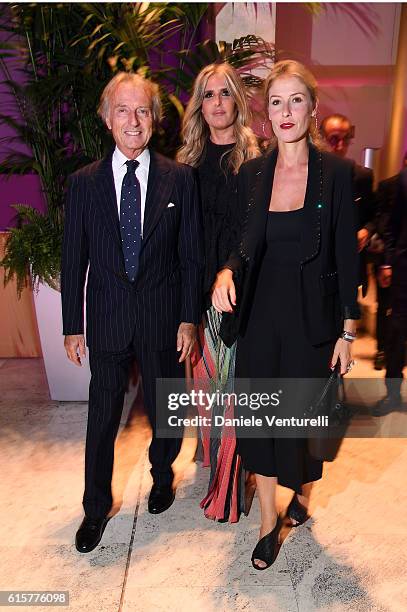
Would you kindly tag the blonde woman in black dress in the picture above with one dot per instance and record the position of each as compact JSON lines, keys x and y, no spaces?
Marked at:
{"x":297,"y":309}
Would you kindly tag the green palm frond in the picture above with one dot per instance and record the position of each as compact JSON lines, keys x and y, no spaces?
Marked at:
{"x":123,"y":34}
{"x":189,"y":13}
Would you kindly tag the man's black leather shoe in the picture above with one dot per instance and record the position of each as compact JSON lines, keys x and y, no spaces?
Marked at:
{"x":388,"y":404}
{"x":89,"y":534}
{"x":160,"y":499}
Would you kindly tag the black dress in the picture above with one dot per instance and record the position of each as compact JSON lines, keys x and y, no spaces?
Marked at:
{"x":275,"y":345}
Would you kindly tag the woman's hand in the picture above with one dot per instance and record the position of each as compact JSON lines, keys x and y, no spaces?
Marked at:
{"x":343,"y":352}
{"x":224,"y":292}
{"x":363,"y":238}
{"x":384,"y":277}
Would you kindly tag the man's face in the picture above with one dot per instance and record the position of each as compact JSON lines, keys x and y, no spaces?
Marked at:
{"x":131,"y":118}
{"x":338,"y":134}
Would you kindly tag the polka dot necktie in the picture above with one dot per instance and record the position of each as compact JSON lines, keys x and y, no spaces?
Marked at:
{"x":130,"y":219}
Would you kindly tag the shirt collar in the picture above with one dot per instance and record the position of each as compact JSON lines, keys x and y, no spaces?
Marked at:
{"x":119,"y":159}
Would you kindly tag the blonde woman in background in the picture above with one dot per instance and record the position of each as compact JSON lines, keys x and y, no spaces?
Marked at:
{"x":216,"y":141}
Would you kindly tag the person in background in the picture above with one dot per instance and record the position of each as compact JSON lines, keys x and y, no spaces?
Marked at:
{"x":260,"y":122}
{"x":386,"y":195}
{"x":393,"y":274}
{"x":216,"y":140}
{"x":337,"y":132}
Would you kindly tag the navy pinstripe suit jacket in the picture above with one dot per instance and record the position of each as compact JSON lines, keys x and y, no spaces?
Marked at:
{"x":167,"y":290}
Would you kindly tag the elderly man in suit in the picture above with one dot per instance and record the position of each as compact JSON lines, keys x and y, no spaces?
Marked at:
{"x":338,"y":132}
{"x":133,"y":218}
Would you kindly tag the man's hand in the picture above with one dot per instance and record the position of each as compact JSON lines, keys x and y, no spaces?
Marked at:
{"x":186,"y":338}
{"x":75,"y":348}
{"x":363,"y":238}
{"x":384,"y":277}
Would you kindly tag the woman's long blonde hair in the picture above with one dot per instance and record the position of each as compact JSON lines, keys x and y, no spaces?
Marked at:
{"x":291,"y":68}
{"x":195,"y":130}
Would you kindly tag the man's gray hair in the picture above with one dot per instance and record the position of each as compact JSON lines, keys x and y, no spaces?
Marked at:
{"x":151,"y":88}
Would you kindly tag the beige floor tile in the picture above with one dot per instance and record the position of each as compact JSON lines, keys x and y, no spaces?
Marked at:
{"x":198,"y":599}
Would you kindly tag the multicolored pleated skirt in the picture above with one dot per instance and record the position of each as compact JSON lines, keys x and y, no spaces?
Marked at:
{"x":213,"y":370}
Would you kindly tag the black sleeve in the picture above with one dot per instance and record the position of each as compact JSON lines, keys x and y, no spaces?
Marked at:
{"x":190,"y":249}
{"x":75,"y":259}
{"x":346,"y":250}
{"x":386,"y":222}
{"x":235,"y":262}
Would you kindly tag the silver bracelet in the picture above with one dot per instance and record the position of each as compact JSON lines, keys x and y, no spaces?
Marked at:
{"x":348,"y":336}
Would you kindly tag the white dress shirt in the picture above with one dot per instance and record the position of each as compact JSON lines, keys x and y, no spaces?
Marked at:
{"x":119,"y":170}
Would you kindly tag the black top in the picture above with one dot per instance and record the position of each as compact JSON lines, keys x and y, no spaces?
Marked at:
{"x":218,"y":190}
{"x":283,"y":234}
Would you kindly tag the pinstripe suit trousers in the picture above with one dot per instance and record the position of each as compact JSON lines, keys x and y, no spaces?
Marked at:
{"x":110,"y":374}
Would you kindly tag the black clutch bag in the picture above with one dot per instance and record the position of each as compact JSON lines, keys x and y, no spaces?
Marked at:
{"x":331,"y":403}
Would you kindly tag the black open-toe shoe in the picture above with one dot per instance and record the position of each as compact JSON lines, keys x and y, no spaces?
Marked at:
{"x":297,"y":512}
{"x":267,"y":548}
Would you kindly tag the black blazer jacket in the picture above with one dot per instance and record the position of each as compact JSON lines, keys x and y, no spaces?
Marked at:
{"x":385,"y":198}
{"x":167,"y":290}
{"x":387,"y":195}
{"x":395,"y":239}
{"x":329,"y":259}
{"x":364,"y":197}
{"x":365,"y":206}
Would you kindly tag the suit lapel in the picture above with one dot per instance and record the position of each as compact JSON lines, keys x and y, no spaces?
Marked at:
{"x":258,"y":204}
{"x":311,"y":220}
{"x":159,"y":187}
{"x":104,"y":186}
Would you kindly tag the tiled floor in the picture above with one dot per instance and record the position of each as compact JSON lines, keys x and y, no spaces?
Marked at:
{"x":351,"y":555}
